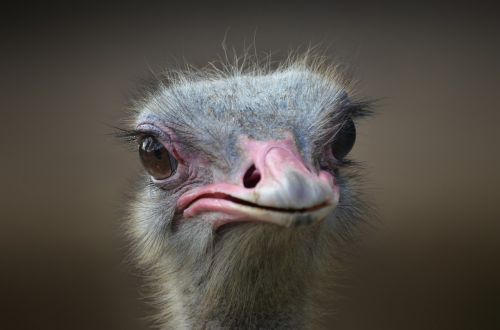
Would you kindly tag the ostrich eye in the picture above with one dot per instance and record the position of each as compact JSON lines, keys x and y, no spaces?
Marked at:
{"x":344,"y":140}
{"x":156,"y":159}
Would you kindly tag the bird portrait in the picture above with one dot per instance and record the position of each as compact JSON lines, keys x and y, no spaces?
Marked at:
{"x":248,"y":192}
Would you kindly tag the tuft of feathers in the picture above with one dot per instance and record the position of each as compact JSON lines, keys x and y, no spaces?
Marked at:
{"x":310,"y":63}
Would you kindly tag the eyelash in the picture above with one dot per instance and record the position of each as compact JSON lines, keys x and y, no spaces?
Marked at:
{"x":134,"y":136}
{"x":126,"y":135}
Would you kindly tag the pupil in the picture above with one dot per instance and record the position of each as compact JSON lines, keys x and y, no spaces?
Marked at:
{"x":158,"y":153}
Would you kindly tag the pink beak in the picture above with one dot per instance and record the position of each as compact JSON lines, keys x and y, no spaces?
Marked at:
{"x":274,"y":186}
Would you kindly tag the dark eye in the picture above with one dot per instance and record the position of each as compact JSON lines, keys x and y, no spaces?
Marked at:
{"x":156,"y":159}
{"x":344,"y":140}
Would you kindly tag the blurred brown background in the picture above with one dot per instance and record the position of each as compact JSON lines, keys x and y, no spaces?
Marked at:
{"x":431,"y":152}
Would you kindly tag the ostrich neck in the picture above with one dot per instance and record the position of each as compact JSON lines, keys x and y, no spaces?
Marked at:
{"x":246,"y":286}
{"x":250,"y":307}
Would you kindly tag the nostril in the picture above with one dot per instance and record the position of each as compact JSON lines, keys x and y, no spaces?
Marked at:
{"x":251,"y":177}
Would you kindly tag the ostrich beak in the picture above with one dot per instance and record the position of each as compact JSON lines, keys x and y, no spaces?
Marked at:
{"x":275,"y":187}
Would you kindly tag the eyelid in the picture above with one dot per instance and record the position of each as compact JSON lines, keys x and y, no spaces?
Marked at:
{"x":149,"y":129}
{"x":172,"y":144}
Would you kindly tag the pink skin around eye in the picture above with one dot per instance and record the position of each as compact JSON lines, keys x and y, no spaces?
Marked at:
{"x":167,"y":137}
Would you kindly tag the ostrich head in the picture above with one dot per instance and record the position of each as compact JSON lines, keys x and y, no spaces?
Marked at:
{"x":246,"y":192}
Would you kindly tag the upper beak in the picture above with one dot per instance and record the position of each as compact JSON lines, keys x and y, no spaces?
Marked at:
{"x":277,"y":188}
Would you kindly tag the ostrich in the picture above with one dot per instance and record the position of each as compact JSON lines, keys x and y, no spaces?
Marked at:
{"x":247,"y":194}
